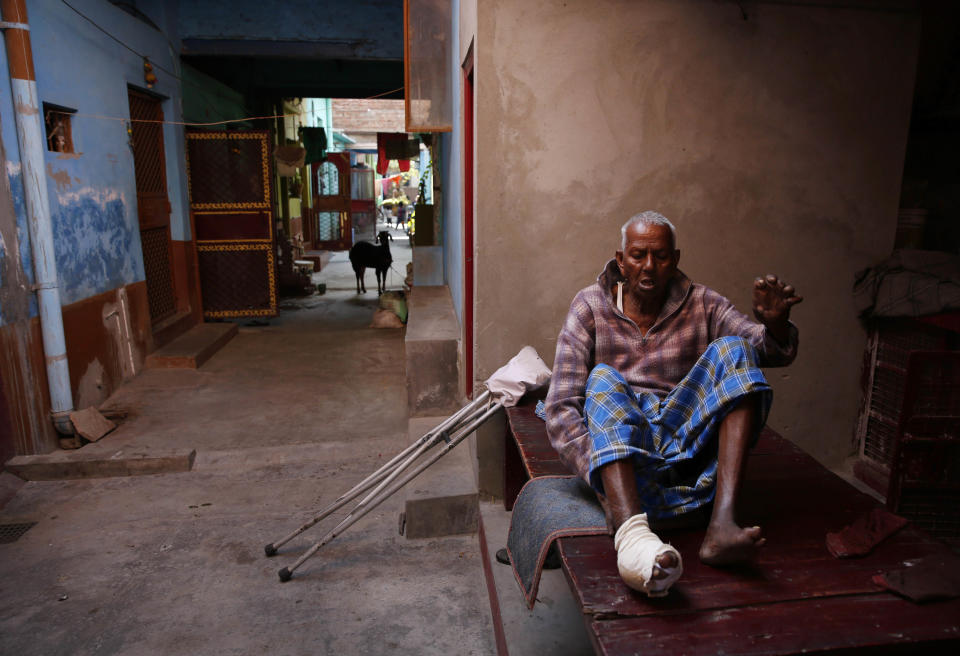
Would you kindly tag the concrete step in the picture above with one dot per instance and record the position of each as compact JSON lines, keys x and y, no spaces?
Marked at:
{"x":430,"y":347}
{"x":192,"y":348}
{"x":61,"y":465}
{"x":443,"y":500}
{"x":320,"y":259}
{"x":554,"y":626}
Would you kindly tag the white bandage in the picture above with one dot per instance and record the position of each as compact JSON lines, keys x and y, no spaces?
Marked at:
{"x":637,"y":550}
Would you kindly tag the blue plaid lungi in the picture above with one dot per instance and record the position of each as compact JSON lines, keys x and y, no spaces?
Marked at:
{"x":673,"y":441}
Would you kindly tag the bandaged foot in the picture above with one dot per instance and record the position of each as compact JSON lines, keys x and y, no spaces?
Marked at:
{"x":646,"y":564}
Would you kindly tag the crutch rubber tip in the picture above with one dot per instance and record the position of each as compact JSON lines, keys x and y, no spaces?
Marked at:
{"x":270,"y":550}
{"x":285,"y":575}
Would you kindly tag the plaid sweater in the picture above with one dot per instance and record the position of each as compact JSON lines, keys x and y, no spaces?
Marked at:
{"x":596,"y":332}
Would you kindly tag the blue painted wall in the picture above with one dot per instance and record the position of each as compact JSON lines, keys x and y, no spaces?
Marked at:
{"x":358,"y":25}
{"x":452,"y":171}
{"x":92,"y":191}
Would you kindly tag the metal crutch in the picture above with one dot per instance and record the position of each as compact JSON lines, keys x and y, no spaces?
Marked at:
{"x":430,"y":439}
{"x":369,"y":503}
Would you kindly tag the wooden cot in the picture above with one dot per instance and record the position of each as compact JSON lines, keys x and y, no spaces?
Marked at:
{"x":796,"y":598}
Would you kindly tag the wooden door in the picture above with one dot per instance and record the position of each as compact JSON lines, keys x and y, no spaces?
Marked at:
{"x":333,"y":228}
{"x":153,"y":205}
{"x":231,"y":205}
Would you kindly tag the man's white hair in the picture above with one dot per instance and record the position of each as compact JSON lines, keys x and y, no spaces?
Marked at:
{"x":647,"y":218}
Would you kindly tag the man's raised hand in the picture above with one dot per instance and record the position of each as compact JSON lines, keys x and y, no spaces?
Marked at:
{"x":772,"y":300}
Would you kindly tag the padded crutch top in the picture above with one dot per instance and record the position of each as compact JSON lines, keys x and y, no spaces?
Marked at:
{"x":526,"y":371}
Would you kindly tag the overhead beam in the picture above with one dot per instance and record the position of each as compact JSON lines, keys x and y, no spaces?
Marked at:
{"x":344,"y":49}
{"x":304,"y":78}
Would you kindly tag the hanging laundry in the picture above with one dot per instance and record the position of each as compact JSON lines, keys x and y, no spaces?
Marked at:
{"x":395,"y":145}
{"x":289,"y":158}
{"x":388,"y":183}
{"x":315,"y":142}
{"x":398,"y":146}
{"x":412,"y":149}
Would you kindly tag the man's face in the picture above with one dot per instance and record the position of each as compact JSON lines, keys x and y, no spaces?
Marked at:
{"x":648,"y":261}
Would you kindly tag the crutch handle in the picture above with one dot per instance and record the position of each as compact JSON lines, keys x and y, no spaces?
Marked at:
{"x":270,"y":550}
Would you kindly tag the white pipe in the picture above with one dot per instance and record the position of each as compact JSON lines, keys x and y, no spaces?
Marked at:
{"x":32,"y":146}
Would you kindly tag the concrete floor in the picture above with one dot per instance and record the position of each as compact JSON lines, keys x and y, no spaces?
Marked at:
{"x":554,"y":625}
{"x":284,"y":418}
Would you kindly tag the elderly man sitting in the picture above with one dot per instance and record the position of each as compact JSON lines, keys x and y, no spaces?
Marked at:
{"x":657,"y":395}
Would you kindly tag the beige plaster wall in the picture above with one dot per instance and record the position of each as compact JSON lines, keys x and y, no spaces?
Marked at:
{"x":468,"y":26}
{"x":775,"y":143}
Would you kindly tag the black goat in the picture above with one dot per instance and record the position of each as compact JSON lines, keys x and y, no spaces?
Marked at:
{"x":364,"y":254}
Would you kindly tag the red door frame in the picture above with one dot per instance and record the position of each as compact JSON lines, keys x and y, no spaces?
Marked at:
{"x":468,"y":254}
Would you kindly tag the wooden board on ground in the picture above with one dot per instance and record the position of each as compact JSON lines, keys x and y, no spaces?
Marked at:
{"x":90,"y":424}
{"x":62,"y":465}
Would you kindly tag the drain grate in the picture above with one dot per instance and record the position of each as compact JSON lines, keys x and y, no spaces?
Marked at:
{"x":13,"y":532}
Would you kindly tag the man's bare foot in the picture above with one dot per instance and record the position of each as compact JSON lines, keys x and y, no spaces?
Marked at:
{"x":727,"y":544}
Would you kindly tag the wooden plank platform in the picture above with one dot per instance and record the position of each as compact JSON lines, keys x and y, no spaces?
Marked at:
{"x":795,"y":597}
{"x":193,"y":348}
{"x":835,"y":625}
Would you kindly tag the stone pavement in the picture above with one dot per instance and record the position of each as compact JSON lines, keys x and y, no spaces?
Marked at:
{"x":284,"y":418}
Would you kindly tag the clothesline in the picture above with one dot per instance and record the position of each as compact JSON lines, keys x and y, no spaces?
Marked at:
{"x":150,"y":120}
{"x":193,"y":124}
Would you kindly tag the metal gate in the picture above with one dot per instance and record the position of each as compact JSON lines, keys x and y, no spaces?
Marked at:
{"x":153,"y":206}
{"x":333,"y":227}
{"x":230,"y":202}
{"x":363,"y":207}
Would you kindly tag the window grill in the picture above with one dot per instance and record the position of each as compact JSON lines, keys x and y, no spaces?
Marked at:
{"x":888,"y":350}
{"x":156,"y":264}
{"x":12,"y":532}
{"x":59,"y":127}
{"x":146,"y":133}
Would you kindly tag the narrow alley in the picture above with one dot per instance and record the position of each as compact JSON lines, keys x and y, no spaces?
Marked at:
{"x":283,"y":419}
{"x":189,"y":372}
